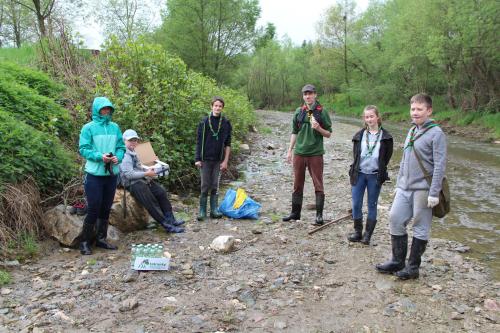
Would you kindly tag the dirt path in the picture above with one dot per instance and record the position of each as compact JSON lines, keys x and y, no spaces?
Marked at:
{"x":278,"y":280}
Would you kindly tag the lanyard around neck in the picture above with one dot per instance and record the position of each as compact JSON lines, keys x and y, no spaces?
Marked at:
{"x":214,"y":134}
{"x":368,"y":147}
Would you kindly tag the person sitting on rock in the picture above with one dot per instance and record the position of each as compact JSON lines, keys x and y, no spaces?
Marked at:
{"x":144,"y":188}
{"x":213,"y":146}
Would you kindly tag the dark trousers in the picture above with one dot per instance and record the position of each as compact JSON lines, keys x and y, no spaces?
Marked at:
{"x":153,"y":197}
{"x":100,"y":192}
{"x":315,"y":166}
{"x":210,"y":172}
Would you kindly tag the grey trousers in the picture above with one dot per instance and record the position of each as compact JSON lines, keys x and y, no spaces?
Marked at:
{"x":210,"y":173}
{"x":408,"y":205}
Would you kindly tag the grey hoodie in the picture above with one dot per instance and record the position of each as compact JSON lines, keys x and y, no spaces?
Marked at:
{"x":130,"y":171}
{"x":431,"y":147}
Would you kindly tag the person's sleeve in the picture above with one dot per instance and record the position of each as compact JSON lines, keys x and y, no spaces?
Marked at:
{"x":295,"y":129}
{"x":120,"y":145}
{"x":439,"y":156}
{"x":127,"y":169}
{"x":401,"y":165}
{"x":389,"y":151}
{"x":86,"y":147}
{"x":327,"y":122}
{"x":199,"y":141}
{"x":227,"y":142}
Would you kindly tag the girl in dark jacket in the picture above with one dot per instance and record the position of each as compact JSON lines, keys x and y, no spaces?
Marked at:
{"x":372,"y":150}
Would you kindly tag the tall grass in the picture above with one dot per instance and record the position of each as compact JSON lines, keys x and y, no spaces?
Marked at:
{"x":26,"y":55}
{"x":442,"y":113}
{"x":20,"y":216}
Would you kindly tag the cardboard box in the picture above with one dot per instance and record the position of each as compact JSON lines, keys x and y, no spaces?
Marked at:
{"x":148,"y":159}
{"x":146,"y":154}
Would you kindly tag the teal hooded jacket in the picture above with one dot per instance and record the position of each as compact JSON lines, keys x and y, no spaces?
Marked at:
{"x":101,"y":136}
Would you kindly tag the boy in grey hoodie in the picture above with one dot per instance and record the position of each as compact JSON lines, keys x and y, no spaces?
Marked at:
{"x":414,"y":197}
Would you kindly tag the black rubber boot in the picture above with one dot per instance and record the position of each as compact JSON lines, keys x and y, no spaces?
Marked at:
{"x":399,"y":250}
{"x":358,"y":229}
{"x":169,"y":216}
{"x":369,"y":227}
{"x":411,"y":270}
{"x":102,"y":234}
{"x":86,"y":239}
{"x":214,"y":206}
{"x":203,"y":207}
{"x":320,"y":203}
{"x":170,"y":228}
{"x":296,"y":208}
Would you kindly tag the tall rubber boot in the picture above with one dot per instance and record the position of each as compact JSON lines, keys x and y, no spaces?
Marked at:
{"x":86,"y":239}
{"x":411,"y":270}
{"x":102,"y":234}
{"x":203,"y":206}
{"x":169,"y":216}
{"x":296,"y":208}
{"x":214,"y":205}
{"x":369,"y":227}
{"x":399,"y":250}
{"x":358,"y":229}
{"x":320,"y":203}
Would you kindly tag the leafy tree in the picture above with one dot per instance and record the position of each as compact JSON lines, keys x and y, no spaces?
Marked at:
{"x":15,"y":23}
{"x":265,"y":35}
{"x":209,"y":35}
{"x":42,"y":10}
{"x":127,"y":19}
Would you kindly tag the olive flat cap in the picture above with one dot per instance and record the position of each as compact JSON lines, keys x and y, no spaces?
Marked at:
{"x":309,"y":87}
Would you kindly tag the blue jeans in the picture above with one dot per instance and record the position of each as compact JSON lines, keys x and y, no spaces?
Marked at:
{"x":368,"y":182}
{"x":100,"y":192}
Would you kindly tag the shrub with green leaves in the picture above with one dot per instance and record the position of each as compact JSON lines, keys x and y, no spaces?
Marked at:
{"x":25,"y":104}
{"x":156,"y":94}
{"x":27,"y":151}
{"x":36,"y":80}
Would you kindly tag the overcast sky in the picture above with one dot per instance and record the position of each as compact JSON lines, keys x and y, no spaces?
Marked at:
{"x":295,"y":18}
{"x":286,"y":15}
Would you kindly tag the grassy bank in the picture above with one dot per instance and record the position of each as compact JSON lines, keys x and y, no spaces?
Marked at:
{"x":25,"y":55}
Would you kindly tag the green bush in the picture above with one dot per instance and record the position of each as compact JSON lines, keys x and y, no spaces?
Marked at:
{"x":25,"y":104}
{"x":36,"y":80}
{"x":27,"y":151}
{"x":155,"y":94}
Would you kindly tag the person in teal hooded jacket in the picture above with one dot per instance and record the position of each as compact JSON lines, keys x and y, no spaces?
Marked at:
{"x":101,"y":144}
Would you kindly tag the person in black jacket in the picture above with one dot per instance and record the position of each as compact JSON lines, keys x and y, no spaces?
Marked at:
{"x":213,"y":147}
{"x":372,"y":150}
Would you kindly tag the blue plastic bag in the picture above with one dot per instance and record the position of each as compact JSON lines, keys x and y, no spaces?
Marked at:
{"x":248,"y":210}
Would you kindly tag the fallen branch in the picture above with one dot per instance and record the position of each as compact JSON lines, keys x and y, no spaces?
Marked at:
{"x":329,"y":223}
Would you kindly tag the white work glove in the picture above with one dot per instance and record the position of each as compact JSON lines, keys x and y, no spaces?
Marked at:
{"x":432,"y":202}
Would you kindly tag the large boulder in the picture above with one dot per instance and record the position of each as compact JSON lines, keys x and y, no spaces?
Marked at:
{"x":66,"y":228}
{"x":137,"y":217}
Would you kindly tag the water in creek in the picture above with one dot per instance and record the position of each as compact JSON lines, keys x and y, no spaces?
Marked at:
{"x":473,"y":170}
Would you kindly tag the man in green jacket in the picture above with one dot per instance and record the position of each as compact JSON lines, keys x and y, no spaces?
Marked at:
{"x":310,"y":124}
{"x":101,"y":144}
